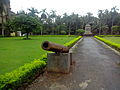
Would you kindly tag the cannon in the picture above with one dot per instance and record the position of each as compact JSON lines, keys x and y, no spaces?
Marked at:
{"x":49,"y":46}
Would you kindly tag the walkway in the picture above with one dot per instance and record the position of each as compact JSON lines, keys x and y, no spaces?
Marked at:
{"x":95,"y":69}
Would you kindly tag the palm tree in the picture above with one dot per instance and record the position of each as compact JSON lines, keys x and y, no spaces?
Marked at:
{"x":67,"y":21}
{"x":33,"y":11}
{"x":100,"y":15}
{"x":44,"y":18}
{"x":114,"y":14}
{"x":44,"y":14}
{"x":53,"y":17}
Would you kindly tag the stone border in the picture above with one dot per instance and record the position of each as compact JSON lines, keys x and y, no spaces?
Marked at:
{"x":115,"y":51}
{"x":75,"y":45}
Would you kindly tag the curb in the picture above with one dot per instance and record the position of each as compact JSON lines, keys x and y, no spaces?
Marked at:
{"x":72,"y":49}
{"x":115,"y":51}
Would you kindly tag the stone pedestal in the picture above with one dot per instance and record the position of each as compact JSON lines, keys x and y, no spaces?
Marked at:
{"x":59,"y":62}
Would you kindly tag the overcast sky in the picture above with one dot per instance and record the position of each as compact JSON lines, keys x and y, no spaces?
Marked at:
{"x":61,"y":6}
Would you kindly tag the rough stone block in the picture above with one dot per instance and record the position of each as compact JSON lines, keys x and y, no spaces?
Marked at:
{"x":59,"y":62}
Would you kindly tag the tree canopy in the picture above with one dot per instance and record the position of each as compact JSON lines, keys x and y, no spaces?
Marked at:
{"x":51,"y":23}
{"x":24,"y":23}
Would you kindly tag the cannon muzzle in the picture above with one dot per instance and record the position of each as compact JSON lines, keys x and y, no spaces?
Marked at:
{"x":49,"y":46}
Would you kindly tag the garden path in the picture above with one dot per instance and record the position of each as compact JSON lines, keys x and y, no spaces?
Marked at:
{"x":96,"y":68}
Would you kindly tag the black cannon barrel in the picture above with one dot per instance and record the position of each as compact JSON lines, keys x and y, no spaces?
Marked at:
{"x":49,"y":46}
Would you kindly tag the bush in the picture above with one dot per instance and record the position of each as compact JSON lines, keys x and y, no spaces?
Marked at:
{"x":63,"y":32}
{"x":109,"y":35}
{"x":104,"y":29}
{"x":52,"y":35}
{"x":112,"y":44}
{"x":1,"y":36}
{"x":116,"y":29}
{"x":80,"y":31}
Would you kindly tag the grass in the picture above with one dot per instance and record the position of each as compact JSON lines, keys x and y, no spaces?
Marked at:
{"x":15,"y":52}
{"x":113,"y":39}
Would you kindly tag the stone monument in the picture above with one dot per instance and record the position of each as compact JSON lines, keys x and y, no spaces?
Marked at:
{"x":88,"y":30}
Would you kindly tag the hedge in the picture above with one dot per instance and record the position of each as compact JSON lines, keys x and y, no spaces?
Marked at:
{"x":109,"y":35}
{"x":23,"y":74}
{"x":1,"y":36}
{"x":72,"y":42}
{"x":111,"y":44}
{"x":52,"y":35}
{"x":26,"y":73}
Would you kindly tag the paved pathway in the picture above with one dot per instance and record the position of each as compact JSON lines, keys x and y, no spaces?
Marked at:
{"x":95,"y":69}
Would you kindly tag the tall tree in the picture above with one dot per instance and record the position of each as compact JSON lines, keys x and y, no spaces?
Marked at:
{"x":100,"y":15}
{"x":24,"y":23}
{"x":53,"y":18}
{"x":114,"y":14}
{"x":33,"y":12}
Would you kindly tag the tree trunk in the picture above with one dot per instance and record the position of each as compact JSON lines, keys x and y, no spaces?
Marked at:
{"x":27,"y":35}
{"x":76,"y":29}
{"x":112,"y":25}
{"x":41,"y":31}
{"x":2,"y":24}
{"x":69,"y":30}
{"x":100,"y":29}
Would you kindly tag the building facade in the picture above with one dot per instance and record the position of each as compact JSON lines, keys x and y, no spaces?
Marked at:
{"x":4,"y":13}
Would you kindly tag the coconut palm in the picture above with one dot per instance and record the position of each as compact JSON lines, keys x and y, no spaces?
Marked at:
{"x":33,"y":11}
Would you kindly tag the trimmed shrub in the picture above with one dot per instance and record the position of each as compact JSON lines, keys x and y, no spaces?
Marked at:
{"x":116,"y":29}
{"x":111,"y":44}
{"x":80,"y":31}
{"x":109,"y":35}
{"x":72,"y":42}
{"x":63,"y":32}
{"x":23,"y":74}
{"x":52,"y":35}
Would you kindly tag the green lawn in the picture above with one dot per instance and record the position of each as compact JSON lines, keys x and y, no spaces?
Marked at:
{"x":113,"y":39}
{"x":15,"y":52}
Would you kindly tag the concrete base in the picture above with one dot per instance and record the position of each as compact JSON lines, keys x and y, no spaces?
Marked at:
{"x":59,"y":62}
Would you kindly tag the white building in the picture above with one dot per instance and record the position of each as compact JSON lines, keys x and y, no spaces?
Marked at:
{"x":4,"y":12}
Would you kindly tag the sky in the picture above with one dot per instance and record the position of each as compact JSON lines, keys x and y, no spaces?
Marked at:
{"x":80,"y":7}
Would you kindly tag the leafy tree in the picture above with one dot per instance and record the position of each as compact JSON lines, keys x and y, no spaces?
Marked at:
{"x":108,"y":18}
{"x":24,"y":23}
{"x":55,"y":24}
{"x":80,"y":31}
